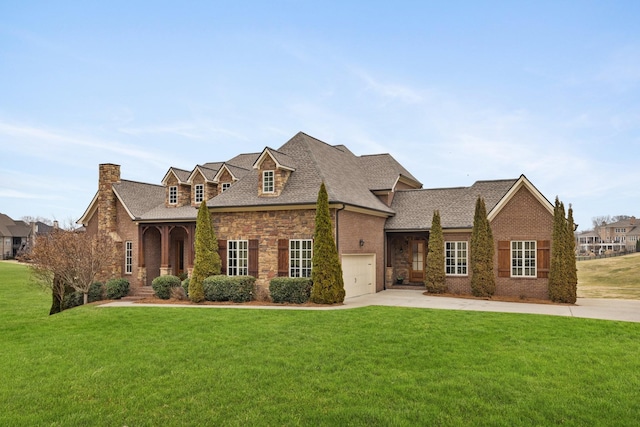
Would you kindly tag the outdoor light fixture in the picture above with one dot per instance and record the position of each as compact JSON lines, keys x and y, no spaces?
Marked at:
{"x":361,"y":243}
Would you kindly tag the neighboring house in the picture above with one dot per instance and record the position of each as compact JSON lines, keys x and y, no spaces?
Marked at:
{"x":14,"y":236}
{"x":263,"y":209}
{"x":618,"y":236}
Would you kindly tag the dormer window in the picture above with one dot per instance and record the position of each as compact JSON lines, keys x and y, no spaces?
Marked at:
{"x":225,"y":186}
{"x":173,"y":195}
{"x":267,"y":182}
{"x":199,"y":193}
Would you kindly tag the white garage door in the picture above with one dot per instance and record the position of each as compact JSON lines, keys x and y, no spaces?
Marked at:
{"x":359,"y":273}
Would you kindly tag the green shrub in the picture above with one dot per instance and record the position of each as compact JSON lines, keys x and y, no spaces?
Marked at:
{"x":117,"y":288}
{"x":294,"y":290}
{"x":162,"y":285}
{"x":185,"y":286}
{"x":73,"y":299}
{"x":96,"y":292}
{"x":229,"y":288}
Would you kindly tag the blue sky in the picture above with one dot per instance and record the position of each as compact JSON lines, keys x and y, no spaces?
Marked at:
{"x":457,"y":91}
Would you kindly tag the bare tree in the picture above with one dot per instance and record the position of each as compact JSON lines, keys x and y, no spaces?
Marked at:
{"x":72,"y":258}
{"x":598,"y":220}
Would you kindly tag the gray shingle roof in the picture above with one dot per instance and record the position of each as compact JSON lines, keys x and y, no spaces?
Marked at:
{"x":414,"y":208}
{"x":382,"y":171}
{"x":315,"y":162}
{"x":11,"y":228}
{"x":139,"y":197}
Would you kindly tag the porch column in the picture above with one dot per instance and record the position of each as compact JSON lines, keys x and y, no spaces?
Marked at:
{"x":165,"y":234}
{"x":142,"y":269}
{"x":188,"y":248}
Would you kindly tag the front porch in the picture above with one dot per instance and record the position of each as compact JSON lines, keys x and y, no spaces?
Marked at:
{"x":406,"y":259}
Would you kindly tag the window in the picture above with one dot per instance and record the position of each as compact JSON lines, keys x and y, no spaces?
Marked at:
{"x":523,"y":258}
{"x":173,"y":195}
{"x":225,"y":186}
{"x":199,"y":193}
{"x":267,"y":182}
{"x":455,"y":258}
{"x":128,"y":257}
{"x":238,"y":257}
{"x":300,"y":255}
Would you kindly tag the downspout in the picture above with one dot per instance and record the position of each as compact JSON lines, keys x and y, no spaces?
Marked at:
{"x":338,"y":229}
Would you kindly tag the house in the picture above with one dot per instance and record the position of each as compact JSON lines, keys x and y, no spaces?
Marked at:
{"x":619,"y":236}
{"x":263,"y":208}
{"x":19,"y":236}
{"x":14,"y":236}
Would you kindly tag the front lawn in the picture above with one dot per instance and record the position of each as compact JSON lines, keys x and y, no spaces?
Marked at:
{"x":370,"y":366}
{"x":617,"y":277}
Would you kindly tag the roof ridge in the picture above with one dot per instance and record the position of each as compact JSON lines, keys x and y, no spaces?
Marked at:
{"x":138,"y":182}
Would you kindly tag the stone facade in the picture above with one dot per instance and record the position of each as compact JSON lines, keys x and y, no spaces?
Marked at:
{"x":267,"y":227}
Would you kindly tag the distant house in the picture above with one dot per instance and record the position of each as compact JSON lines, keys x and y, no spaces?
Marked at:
{"x":263,"y":208}
{"x":14,"y":236}
{"x":621,"y":235}
{"x":19,"y":236}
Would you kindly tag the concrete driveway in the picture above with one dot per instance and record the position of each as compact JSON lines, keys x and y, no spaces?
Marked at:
{"x":607,"y":309}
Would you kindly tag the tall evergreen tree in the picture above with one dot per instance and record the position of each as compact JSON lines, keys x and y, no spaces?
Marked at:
{"x":207,"y":260}
{"x":326,"y":271}
{"x":483,"y":281}
{"x":558,"y":273}
{"x":435,"y":274}
{"x":570,"y":263}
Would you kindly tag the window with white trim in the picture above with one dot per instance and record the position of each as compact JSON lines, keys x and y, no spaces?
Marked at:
{"x":173,"y":195}
{"x":300,"y":256}
{"x":237,"y":257}
{"x":225,"y":186}
{"x":267,"y":182}
{"x":455,"y":258}
{"x":128,"y":257}
{"x":199,"y":193}
{"x":523,"y":258}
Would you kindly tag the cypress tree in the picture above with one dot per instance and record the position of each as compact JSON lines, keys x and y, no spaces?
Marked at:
{"x":570,"y":262}
{"x":207,"y":260}
{"x":483,"y":281}
{"x":557,"y":269}
{"x":326,"y":271}
{"x":435,"y":275}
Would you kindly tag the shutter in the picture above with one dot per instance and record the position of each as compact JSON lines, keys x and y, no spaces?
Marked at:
{"x":543,"y":249}
{"x":283,"y":258}
{"x":222,"y":251}
{"x":504,"y":258}
{"x":253,"y":258}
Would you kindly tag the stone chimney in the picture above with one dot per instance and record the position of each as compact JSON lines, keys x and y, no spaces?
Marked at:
{"x":632,"y":220}
{"x":108,"y":175}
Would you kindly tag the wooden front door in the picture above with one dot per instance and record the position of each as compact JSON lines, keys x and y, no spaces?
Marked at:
{"x":417,"y":261}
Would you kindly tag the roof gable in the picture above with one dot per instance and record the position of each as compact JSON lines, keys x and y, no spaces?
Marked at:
{"x":520,"y":183}
{"x":281,"y":160}
{"x":181,"y":175}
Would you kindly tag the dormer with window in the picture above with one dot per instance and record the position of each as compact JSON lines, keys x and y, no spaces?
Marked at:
{"x":203,"y":186}
{"x":178,"y":190}
{"x":224,"y":178}
{"x":274,"y":170}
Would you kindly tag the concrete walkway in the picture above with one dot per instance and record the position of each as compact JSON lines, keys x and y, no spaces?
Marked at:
{"x":607,"y":309}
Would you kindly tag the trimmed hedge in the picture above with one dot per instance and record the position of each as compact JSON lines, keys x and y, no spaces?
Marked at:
{"x":162,"y":285}
{"x":229,"y":288}
{"x":185,"y":286}
{"x":296,"y":290}
{"x":96,"y":292}
{"x":117,"y":288}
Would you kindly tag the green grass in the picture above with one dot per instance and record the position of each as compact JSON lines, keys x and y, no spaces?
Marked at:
{"x":617,"y":277}
{"x":371,"y":366}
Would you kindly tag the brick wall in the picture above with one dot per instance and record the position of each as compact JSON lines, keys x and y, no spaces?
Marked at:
{"x":353,"y":227}
{"x":523,"y":218}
